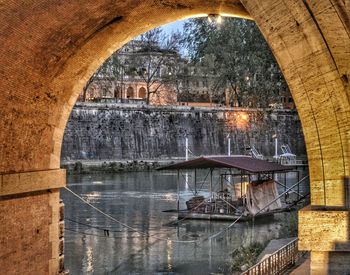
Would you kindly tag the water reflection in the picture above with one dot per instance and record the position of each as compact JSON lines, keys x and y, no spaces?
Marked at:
{"x":138,"y":200}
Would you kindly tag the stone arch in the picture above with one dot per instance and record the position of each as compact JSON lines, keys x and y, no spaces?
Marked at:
{"x":130,"y":92}
{"x":142,"y":92}
{"x":51,"y":49}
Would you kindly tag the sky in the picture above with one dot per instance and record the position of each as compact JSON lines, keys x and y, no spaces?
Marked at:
{"x":175,"y":26}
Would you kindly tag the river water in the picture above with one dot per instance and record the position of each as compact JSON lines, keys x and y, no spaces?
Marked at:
{"x":138,"y":199}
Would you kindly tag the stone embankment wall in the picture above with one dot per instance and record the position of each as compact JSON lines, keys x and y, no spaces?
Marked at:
{"x":97,"y":131}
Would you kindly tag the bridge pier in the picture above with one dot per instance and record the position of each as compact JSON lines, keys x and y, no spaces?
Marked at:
{"x":326,"y":234}
{"x":31,"y":238}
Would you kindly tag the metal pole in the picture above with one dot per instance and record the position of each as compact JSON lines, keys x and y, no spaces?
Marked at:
{"x":222,"y":182}
{"x":281,"y":184}
{"x":298,"y":190}
{"x":241,"y":185}
{"x":211,"y":183}
{"x":186,"y":149}
{"x":246,"y":196}
{"x":285,"y":185}
{"x":178,"y":191}
{"x":276,"y":148}
{"x":228,"y":145}
{"x":186,"y":157}
{"x":195,"y":182}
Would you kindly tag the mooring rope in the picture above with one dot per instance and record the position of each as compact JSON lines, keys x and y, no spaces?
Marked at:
{"x":223,"y":230}
{"x":146,"y":234}
{"x":95,"y":227}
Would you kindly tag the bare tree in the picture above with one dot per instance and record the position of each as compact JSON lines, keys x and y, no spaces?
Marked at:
{"x":155,"y":63}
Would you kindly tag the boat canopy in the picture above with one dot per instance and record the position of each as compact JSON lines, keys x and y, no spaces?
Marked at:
{"x":245,"y":163}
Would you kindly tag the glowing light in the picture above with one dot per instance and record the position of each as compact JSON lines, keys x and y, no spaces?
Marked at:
{"x":199,"y":15}
{"x":228,"y":14}
{"x":237,"y":120}
{"x":219,"y":19}
{"x":244,"y":116}
{"x":169,"y":247}
{"x":234,"y":15}
{"x":215,"y":18}
{"x":88,"y":262}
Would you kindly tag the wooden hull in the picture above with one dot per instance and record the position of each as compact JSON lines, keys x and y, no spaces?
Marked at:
{"x":224,"y":217}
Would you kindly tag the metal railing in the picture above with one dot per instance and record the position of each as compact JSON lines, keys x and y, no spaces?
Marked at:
{"x":278,"y":262}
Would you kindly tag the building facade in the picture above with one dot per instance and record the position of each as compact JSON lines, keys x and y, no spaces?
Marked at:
{"x":145,"y":73}
{"x":139,"y":72}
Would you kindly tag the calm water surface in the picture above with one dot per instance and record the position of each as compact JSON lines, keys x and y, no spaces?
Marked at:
{"x":138,"y":199}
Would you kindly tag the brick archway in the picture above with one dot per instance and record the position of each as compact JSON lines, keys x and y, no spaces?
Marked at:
{"x":50,"y":49}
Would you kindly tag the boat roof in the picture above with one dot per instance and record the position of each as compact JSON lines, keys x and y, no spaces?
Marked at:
{"x":246,"y":163}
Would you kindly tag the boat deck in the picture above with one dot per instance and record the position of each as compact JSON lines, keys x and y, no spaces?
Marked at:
{"x":185,"y":214}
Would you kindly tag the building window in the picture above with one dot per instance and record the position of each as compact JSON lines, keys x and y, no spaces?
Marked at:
{"x":142,"y":92}
{"x":130,"y":93}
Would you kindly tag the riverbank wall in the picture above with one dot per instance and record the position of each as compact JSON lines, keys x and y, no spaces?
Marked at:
{"x":103,"y":133}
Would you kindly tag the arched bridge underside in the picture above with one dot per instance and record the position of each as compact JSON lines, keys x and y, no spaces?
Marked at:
{"x":49,"y":49}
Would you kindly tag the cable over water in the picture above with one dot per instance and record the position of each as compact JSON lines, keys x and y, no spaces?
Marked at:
{"x":145,"y":233}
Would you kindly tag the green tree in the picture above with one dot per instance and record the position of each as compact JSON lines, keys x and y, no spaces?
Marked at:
{"x":236,"y":53}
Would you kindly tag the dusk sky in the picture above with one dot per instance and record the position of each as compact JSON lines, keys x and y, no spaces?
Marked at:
{"x":175,"y":26}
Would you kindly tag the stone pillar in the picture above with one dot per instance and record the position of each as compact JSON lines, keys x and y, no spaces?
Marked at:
{"x":31,"y":222}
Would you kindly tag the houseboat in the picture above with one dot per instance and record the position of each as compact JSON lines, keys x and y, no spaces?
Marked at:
{"x":244,"y":187}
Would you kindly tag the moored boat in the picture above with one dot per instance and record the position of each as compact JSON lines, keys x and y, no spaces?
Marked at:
{"x":255,"y":194}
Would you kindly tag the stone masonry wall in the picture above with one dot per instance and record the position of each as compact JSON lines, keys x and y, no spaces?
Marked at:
{"x":120,"y":132}
{"x":24,"y":241}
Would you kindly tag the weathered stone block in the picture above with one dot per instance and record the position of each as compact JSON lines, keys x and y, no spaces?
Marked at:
{"x":31,"y":181}
{"x":61,"y":229}
{"x":61,"y":247}
{"x":24,"y":239}
{"x":323,"y":230}
{"x":330,"y":263}
{"x":61,"y":211}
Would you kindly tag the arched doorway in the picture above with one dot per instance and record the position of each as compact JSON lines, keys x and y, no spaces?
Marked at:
{"x":130,"y":93}
{"x":47,"y":61}
{"x":142,"y":93}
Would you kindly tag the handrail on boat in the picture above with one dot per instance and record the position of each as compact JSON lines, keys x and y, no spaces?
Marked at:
{"x":283,"y":185}
{"x":285,"y":192}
